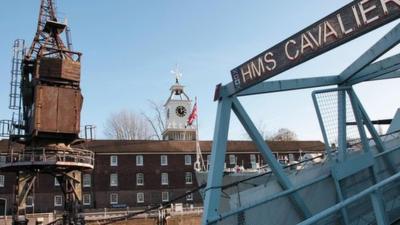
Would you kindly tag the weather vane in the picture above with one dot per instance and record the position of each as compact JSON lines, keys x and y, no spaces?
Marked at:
{"x":177,"y":73}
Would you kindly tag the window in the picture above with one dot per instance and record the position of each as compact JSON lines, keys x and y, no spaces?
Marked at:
{"x":253,"y":161}
{"x":86,"y":199}
{"x":188,"y":178}
{"x":140,"y":197}
{"x":2,"y":159}
{"x":208,"y":161}
{"x":29,"y":201}
{"x":140,"y":179}
{"x":189,"y":197}
{"x":164,"y":160}
{"x":113,"y":198}
{"x":114,"y":180}
{"x":232,"y":159}
{"x":165,"y":196}
{"x":252,"y":158}
{"x":139,"y":160}
{"x":188,"y":160}
{"x":58,"y":199}
{"x":56,"y":183}
{"x":164,"y":179}
{"x":114,"y":160}
{"x":87,"y":180}
{"x":2,"y":179}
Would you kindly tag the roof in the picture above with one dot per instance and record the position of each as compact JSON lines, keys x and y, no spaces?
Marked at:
{"x":154,"y":146}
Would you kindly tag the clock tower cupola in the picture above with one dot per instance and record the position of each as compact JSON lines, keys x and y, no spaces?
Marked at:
{"x":178,"y":108}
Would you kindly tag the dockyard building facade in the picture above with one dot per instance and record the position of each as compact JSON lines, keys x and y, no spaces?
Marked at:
{"x":140,"y":174}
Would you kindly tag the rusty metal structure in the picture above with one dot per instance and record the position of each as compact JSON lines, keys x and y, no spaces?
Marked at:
{"x":46,"y":98}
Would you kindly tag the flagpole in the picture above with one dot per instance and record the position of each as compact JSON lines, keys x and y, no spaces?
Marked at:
{"x":201,"y":161}
{"x":199,"y":158}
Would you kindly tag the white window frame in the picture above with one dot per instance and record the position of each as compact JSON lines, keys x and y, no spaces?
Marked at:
{"x":137,"y":179}
{"x":253,"y":158}
{"x":56,"y":183}
{"x":164,"y":160}
{"x":232,"y":159}
{"x":31,"y":201}
{"x":84,"y":199}
{"x":86,"y":180}
{"x":190,"y":176}
{"x":3,"y":159}
{"x":139,"y":160}
{"x":56,"y":198}
{"x":116,"y":198}
{"x":2,"y":180}
{"x":115,"y":183}
{"x":140,"y":197}
{"x":164,"y":179}
{"x":189,"y":197}
{"x":188,"y":160}
{"x":253,"y":161}
{"x":165,"y":196}
{"x":114,"y":160}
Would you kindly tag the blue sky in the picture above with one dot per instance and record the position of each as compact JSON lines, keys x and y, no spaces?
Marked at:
{"x":130,"y":46}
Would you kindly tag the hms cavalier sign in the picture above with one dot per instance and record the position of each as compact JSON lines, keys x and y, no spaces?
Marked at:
{"x":347,"y":23}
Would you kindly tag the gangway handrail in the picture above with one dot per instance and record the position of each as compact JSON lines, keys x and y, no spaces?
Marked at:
{"x":288,"y":166}
{"x":321,"y":156}
{"x":350,"y":200}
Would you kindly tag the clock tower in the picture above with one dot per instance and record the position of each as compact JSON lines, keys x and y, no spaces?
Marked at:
{"x":178,"y":108}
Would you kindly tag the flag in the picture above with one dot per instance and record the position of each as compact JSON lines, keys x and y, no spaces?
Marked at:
{"x":193,"y":114}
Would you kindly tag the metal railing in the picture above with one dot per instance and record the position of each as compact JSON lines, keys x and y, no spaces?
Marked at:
{"x":321,"y":158}
{"x":50,"y":156}
{"x":371,"y":191}
{"x":107,"y":214}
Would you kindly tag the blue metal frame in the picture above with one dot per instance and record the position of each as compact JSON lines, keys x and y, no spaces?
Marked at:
{"x":361,"y":70}
{"x":214,"y":179}
{"x":269,"y":157}
{"x":387,"y":42}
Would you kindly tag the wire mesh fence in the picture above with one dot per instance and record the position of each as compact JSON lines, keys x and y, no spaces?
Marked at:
{"x":328,"y":104}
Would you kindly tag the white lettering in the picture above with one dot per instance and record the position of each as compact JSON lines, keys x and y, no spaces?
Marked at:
{"x":364,"y":12}
{"x":384,"y":3}
{"x":305,"y":43}
{"x":246,"y":74}
{"x":355,"y":13}
{"x":317,"y":43}
{"x":259,"y":69}
{"x":328,"y":31}
{"x":291,"y":42}
{"x":344,"y":31}
{"x":268,"y":58}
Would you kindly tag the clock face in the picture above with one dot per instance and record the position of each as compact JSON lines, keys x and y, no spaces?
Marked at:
{"x":180,"y":111}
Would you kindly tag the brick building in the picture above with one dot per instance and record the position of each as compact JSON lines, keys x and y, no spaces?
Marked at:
{"x":138,"y":174}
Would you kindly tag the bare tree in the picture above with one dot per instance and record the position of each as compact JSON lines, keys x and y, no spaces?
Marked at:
{"x":262,"y":129}
{"x":156,"y":119}
{"x":128,"y":125}
{"x":283,"y":134}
